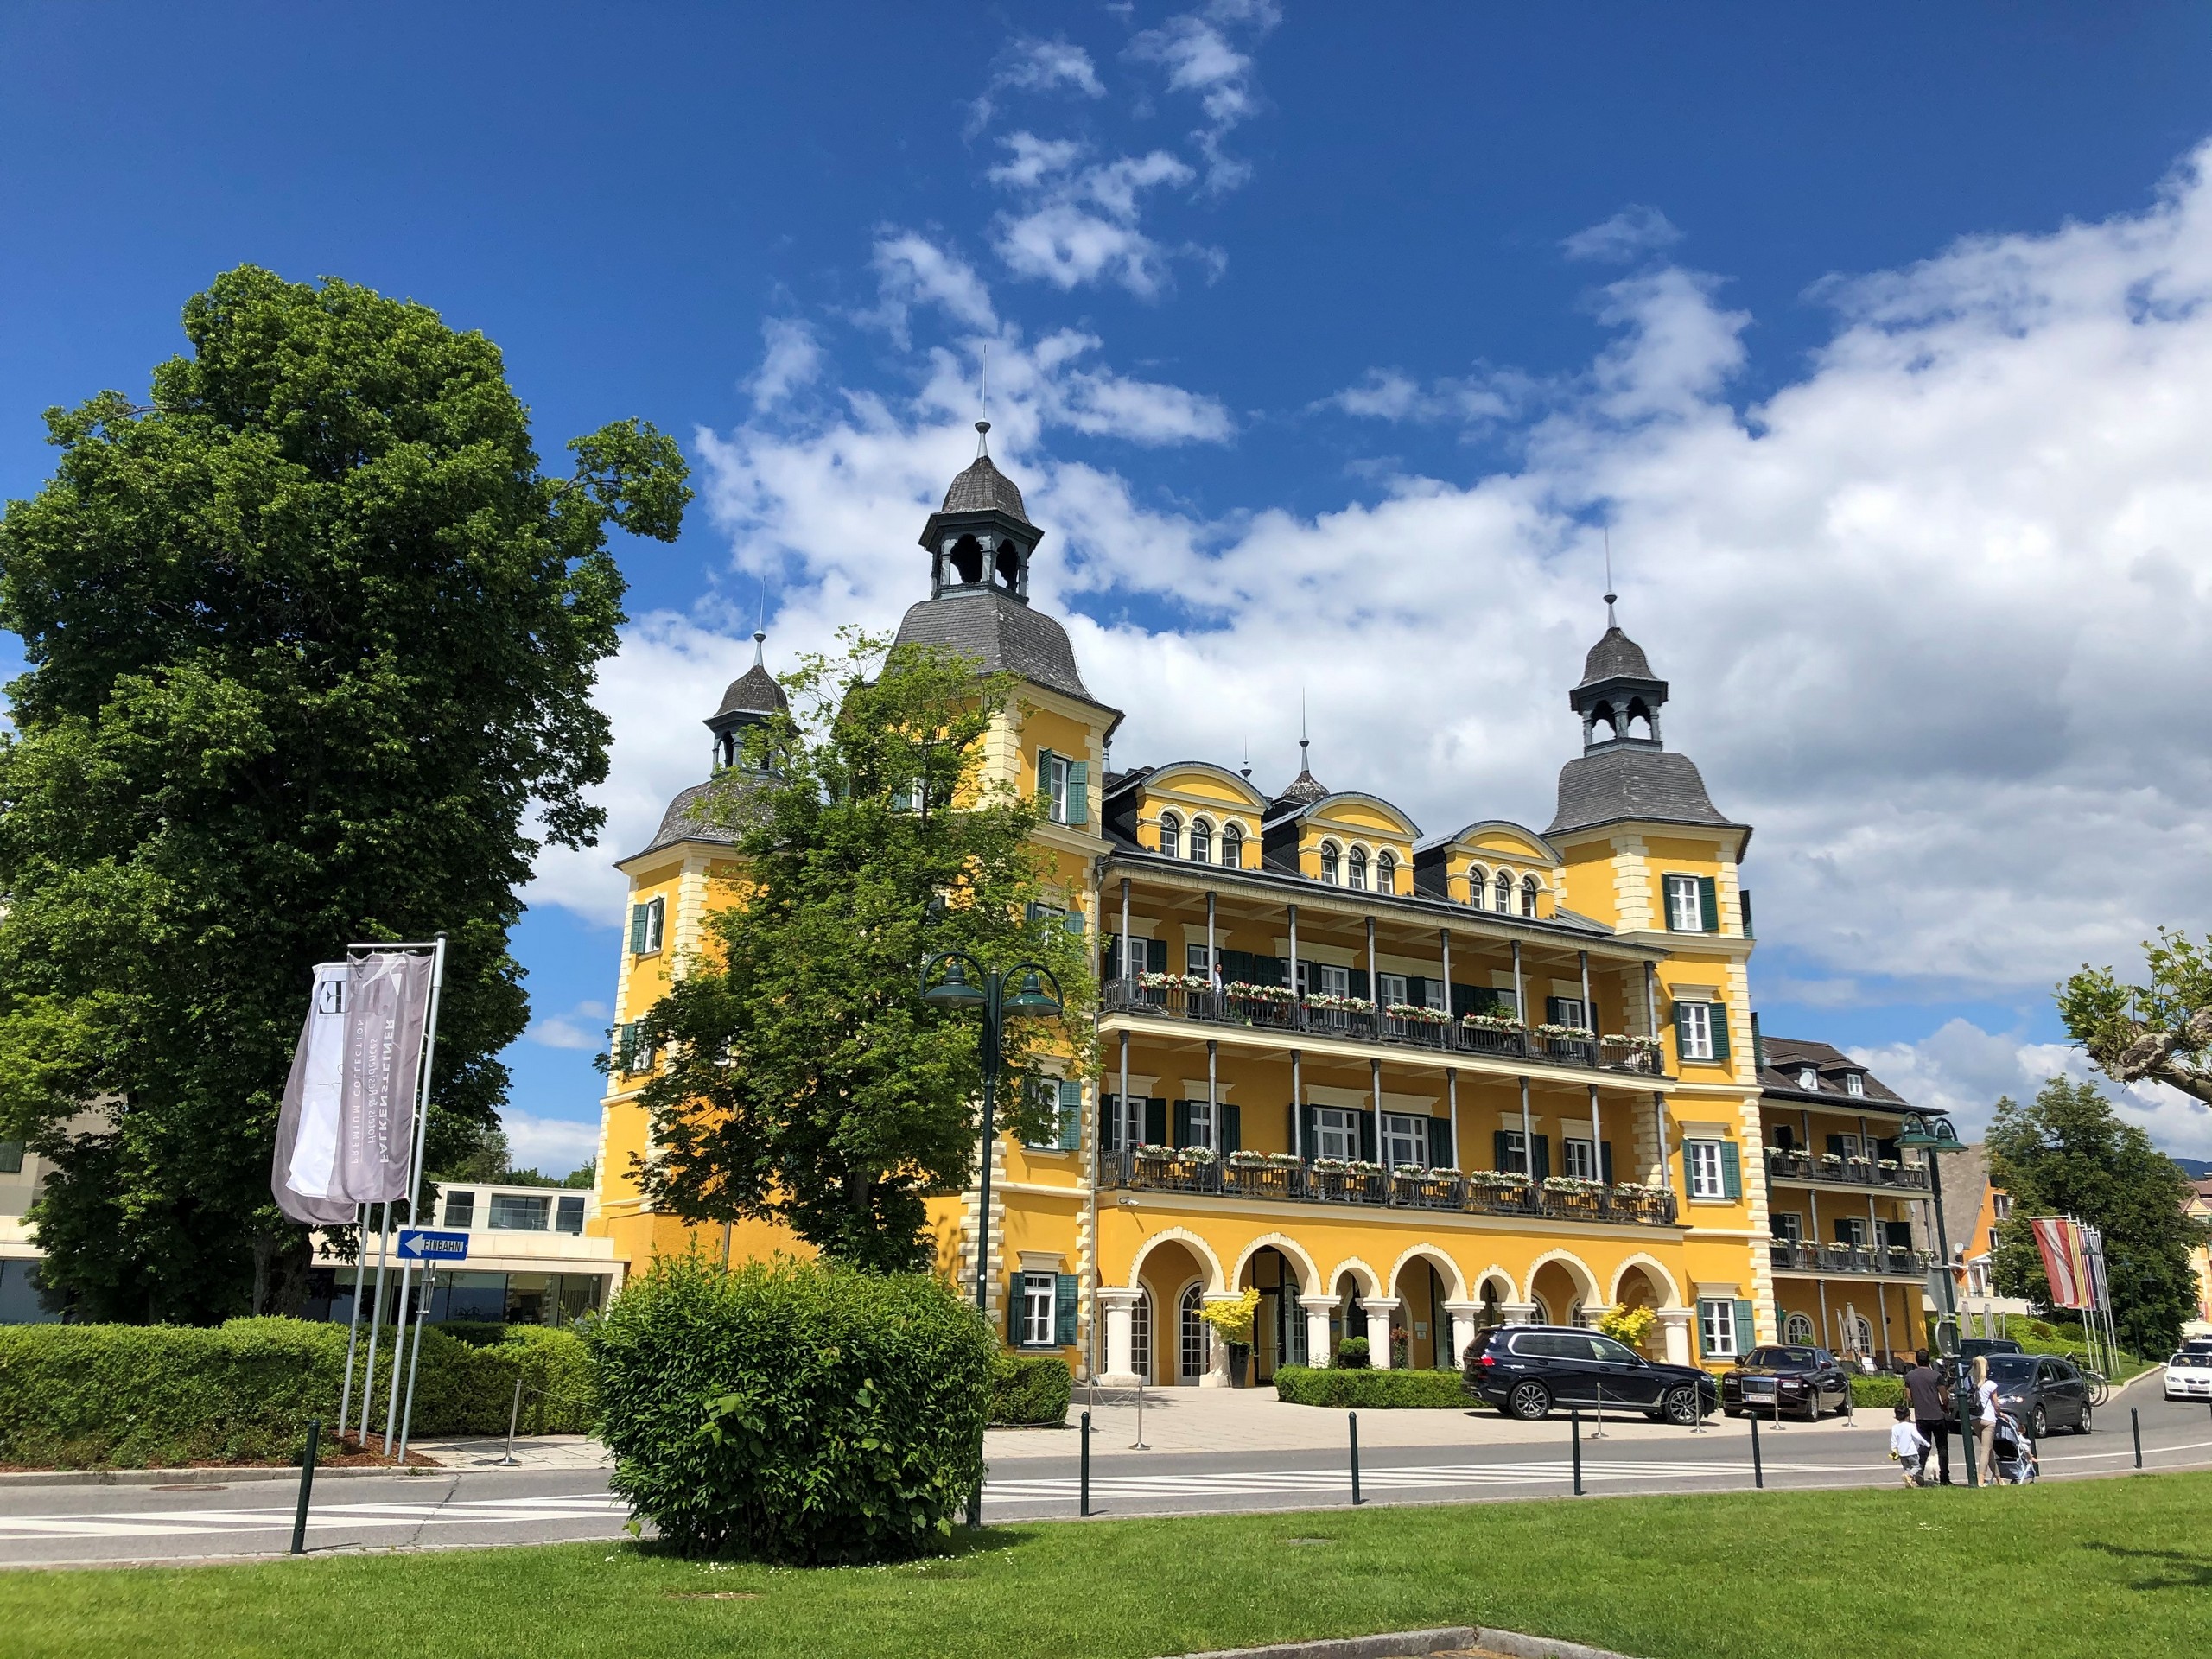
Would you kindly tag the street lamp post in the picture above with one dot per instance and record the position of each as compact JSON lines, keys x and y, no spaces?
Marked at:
{"x":1934,"y":1137}
{"x":954,"y":990}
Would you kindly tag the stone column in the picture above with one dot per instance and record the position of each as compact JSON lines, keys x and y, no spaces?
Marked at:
{"x":1379,"y":1309}
{"x":1674,"y":1334}
{"x":1518,"y":1312}
{"x":1121,"y":1307}
{"x":1591,"y":1314}
{"x":1463,"y":1317}
{"x":1318,"y":1310}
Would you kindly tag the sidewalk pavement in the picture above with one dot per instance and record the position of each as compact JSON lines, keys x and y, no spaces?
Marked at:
{"x":533,"y":1451}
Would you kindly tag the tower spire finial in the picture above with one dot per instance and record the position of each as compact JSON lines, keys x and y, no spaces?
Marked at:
{"x":984,"y":426}
{"x":760,"y":627}
{"x":1611,"y":595}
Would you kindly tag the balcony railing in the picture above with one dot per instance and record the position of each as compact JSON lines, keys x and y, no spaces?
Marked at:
{"x":1783,"y":1166}
{"x":1285,"y":1177}
{"x":1321,"y":1018}
{"x":1789,"y":1257}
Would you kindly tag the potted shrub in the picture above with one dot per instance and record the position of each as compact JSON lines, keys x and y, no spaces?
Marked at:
{"x":1352,"y":1354}
{"x":1232,"y":1325}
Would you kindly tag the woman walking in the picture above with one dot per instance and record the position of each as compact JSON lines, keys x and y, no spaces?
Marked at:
{"x":1985,"y":1426}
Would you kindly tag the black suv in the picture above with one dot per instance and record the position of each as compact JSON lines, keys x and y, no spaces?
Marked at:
{"x":1777,"y":1378}
{"x":1526,"y":1369}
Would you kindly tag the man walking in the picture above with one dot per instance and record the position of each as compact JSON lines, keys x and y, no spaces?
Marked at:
{"x":1924,"y":1391}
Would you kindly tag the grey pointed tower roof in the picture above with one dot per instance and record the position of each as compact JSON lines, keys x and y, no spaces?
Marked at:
{"x":1305,"y":789}
{"x":754,"y":691}
{"x":983,"y":488}
{"x":1615,"y":656}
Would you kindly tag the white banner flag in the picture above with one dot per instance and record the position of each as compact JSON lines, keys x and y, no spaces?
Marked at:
{"x":387,"y":1007}
{"x":305,"y":1170}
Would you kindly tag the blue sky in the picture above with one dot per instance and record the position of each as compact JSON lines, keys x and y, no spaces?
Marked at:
{"x":1321,"y":348}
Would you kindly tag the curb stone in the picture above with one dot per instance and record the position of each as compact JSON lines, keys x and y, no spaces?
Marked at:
{"x":209,"y":1476}
{"x":1448,"y":1640}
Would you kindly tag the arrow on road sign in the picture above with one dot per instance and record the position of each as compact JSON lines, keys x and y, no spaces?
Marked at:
{"x":417,"y":1245}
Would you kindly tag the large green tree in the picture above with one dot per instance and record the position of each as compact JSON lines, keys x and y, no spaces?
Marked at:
{"x":803,"y":1077}
{"x":2067,"y":1154}
{"x":311,"y":645}
{"x":2159,"y":1033}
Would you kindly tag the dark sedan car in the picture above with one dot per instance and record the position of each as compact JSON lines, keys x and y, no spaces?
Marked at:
{"x":2040,"y":1393}
{"x":1803,"y":1381}
{"x":1526,"y":1369}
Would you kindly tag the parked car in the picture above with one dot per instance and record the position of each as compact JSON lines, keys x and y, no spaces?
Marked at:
{"x":1526,"y":1369}
{"x":1803,"y":1381}
{"x":2041,"y":1392}
{"x":1961,"y":1363}
{"x":2189,"y":1375}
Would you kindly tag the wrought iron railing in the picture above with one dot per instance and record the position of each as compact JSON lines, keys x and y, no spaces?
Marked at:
{"x":1807,"y":1258}
{"x":1450,"y":1036}
{"x":1283,"y":1176}
{"x":1783,"y":1165}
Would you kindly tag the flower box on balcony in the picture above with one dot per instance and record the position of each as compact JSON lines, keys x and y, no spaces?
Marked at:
{"x":1889,"y":1165}
{"x":1329,"y":1002}
{"x":1195,"y":1154}
{"x":1329,"y":1166}
{"x":1174,"y":983}
{"x":1418,"y":1013}
{"x":1284,"y":1160}
{"x":1574,"y":1184}
{"x":1565,"y":1034}
{"x":1497,"y":1181}
{"x":1260,"y":993}
{"x":1635,"y":1045}
{"x":1248,"y":1160}
{"x":1498,"y":1022}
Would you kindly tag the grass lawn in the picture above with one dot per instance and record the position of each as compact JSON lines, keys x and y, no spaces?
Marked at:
{"x":2107,"y":1566}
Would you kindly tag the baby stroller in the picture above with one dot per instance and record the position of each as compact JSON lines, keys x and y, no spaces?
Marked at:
{"x":2013,"y":1452}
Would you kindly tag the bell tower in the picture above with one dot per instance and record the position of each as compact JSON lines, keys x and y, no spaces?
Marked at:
{"x":980,"y":541}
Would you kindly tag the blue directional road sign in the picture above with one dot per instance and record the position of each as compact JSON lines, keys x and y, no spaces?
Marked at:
{"x":418,"y":1244}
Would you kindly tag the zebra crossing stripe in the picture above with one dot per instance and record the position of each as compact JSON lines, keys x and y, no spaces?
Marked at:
{"x":177,"y":1523}
{"x":1411,"y":1478}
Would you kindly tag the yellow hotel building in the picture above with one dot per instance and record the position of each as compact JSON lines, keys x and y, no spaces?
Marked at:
{"x":1402,"y":1084}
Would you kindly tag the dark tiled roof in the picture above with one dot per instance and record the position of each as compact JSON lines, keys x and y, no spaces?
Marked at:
{"x":696,"y":814}
{"x":1305,"y":790}
{"x":754,"y":691}
{"x":1634,"y":781}
{"x":1006,"y":635}
{"x":1786,"y":1056}
{"x":982,"y":487}
{"x":1615,"y":656}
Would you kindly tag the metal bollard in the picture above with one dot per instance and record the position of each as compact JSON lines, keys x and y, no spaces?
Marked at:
{"x":1574,"y":1444}
{"x":514,"y":1416}
{"x":1353,"y":1419}
{"x":307,"y":1485}
{"x":1758,"y":1469}
{"x":2135,"y":1427}
{"x":1777,"y":1407}
{"x":1083,"y":1501}
{"x":1599,"y":1432}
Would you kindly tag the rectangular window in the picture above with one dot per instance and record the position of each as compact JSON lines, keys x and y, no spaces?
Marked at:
{"x":632,"y":1054}
{"x":1567,"y":1011}
{"x":1390,"y":988}
{"x":1685,"y":914}
{"x":1706,"y":1177}
{"x":1335,"y":982}
{"x":1716,"y":1324}
{"x":1063,"y":788}
{"x":1514,"y":1158}
{"x":1336,"y":1133}
{"x":1432,"y":992}
{"x":569,"y":1215}
{"x":1787,"y":1225}
{"x":1038,"y":1290}
{"x":1581,"y":1160}
{"x":1202,"y":1125}
{"x":1694,"y":1029}
{"x":460,"y":1209}
{"x":1850,"y":1229}
{"x":1405,"y":1139}
{"x":1196,"y":961}
{"x":645,"y":921}
{"x":514,"y":1213}
{"x":1854,"y":1084}
{"x":11,"y":1157}
{"x":2000,"y":1205}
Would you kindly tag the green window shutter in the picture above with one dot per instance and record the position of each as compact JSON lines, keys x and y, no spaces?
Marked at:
{"x":1758,"y":1046}
{"x":638,"y":930}
{"x":1182,"y":1124}
{"x":1032,"y":911}
{"x":1307,"y":1130}
{"x":1014,"y":1311}
{"x":1719,"y":1034}
{"x":1744,"y":904}
{"x":1605,"y":1163}
{"x":1155,"y":1121}
{"x":1078,"y":791}
{"x":1110,"y":954}
{"x":1071,"y":1116}
{"x":1541,"y":1146}
{"x":1367,"y":1134}
{"x":1704,"y":1348}
{"x":1552,"y":1011}
{"x":1681,"y":1046}
{"x":1073,"y":920}
{"x":1708,"y":904}
{"x":1747,"y":1329}
{"x":1063,"y":1309}
{"x":1045,"y":778}
{"x":1501,"y":1151}
{"x":1835,"y":1146}
{"x":1732,"y":1170}
{"x":1440,"y":1150}
{"x":1232,"y":1128}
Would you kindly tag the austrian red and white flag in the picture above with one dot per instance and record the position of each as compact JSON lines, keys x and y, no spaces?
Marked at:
{"x":2059,"y":1238}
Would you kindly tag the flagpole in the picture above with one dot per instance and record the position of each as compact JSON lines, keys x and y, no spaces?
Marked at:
{"x":353,"y":1328}
{"x":375,"y":1326}
{"x":415,"y":1185}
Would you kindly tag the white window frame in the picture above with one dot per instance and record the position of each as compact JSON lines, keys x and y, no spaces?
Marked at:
{"x":1685,"y":904}
{"x":656,"y":912}
{"x":1232,"y":846}
{"x":1335,"y":980}
{"x":1391,"y":987}
{"x":1171,"y":836}
{"x":1405,"y":1139}
{"x":1529,"y":891}
{"x":1694,"y":1031}
{"x":1854,"y":1083}
{"x":1204,"y":1131}
{"x":1516,"y":1153}
{"x":1502,"y":893}
{"x":1717,"y":1322}
{"x":1477,"y":885}
{"x":1571,"y":1012}
{"x":1336,"y":1133}
{"x":1039,"y":1306}
{"x":1333,"y":865}
{"x":1057,"y":770}
{"x":1579,"y":1154}
{"x":1198,"y":964}
{"x":1433,"y":995}
{"x":1797,"y":1330}
{"x":1787,"y":1225}
{"x":1386,"y":872}
{"x":1707,"y":1178}
{"x":1201,"y":843}
{"x":1859,"y":1227}
{"x":1356,"y":870}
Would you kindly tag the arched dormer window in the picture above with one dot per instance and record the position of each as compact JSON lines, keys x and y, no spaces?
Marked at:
{"x":1386,"y":872}
{"x":1331,"y":863}
{"x":1477,"y":885}
{"x":1527,"y":895}
{"x":1171,"y":836}
{"x":1502,"y":900}
{"x":1201,"y":841}
{"x":1359,"y":869}
{"x":1232,"y":846}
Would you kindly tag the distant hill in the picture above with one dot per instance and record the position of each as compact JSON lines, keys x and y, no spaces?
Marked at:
{"x":2197,"y":1169}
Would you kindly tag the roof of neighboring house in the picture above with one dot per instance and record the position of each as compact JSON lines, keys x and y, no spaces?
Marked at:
{"x":1966,"y":1184}
{"x":1787,"y":1056}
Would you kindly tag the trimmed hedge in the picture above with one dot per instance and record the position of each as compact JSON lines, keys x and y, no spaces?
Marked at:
{"x":794,"y":1411}
{"x":1366,"y":1391}
{"x":1880,"y":1390}
{"x":1029,"y":1391}
{"x":89,"y":1396}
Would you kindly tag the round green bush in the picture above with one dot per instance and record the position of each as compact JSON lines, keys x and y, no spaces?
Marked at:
{"x":1030,"y":1390}
{"x":793,"y":1411}
{"x":1352,"y":1354}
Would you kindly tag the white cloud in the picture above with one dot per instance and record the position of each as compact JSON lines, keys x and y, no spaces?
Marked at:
{"x":1629,"y":233}
{"x":1394,"y":395}
{"x":1078,"y":225}
{"x":1196,"y":51}
{"x":793,"y":360}
{"x":554,"y":1146}
{"x":1035,"y":65}
{"x":582,"y":1028}
{"x":911,"y":271}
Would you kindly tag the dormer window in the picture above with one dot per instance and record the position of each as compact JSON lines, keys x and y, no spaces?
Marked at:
{"x":1359,"y":869}
{"x":1331,"y":863}
{"x":1232,"y":846}
{"x":1528,"y":895}
{"x":1477,"y":885}
{"x":1201,"y":841}
{"x":1854,"y":1083}
{"x":1809,"y":1078}
{"x":1501,"y":895}
{"x":1171,"y":836}
{"x":1386,"y":872}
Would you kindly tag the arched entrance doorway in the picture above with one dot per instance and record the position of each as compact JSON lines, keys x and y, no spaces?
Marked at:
{"x":1279,"y":1326}
{"x":1172,"y":1280}
{"x":1558,"y":1293}
{"x":1421,"y":1291}
{"x":1192,"y":1338}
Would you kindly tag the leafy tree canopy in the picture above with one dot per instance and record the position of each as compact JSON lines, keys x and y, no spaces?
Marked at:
{"x":2067,"y":1154}
{"x":2161,"y":1031}
{"x":311,"y":643}
{"x":803,"y":1078}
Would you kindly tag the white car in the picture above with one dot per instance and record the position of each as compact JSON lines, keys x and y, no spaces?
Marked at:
{"x":2189,"y":1375}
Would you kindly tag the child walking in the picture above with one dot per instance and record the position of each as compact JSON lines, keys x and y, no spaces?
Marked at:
{"x":1907,"y":1446}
